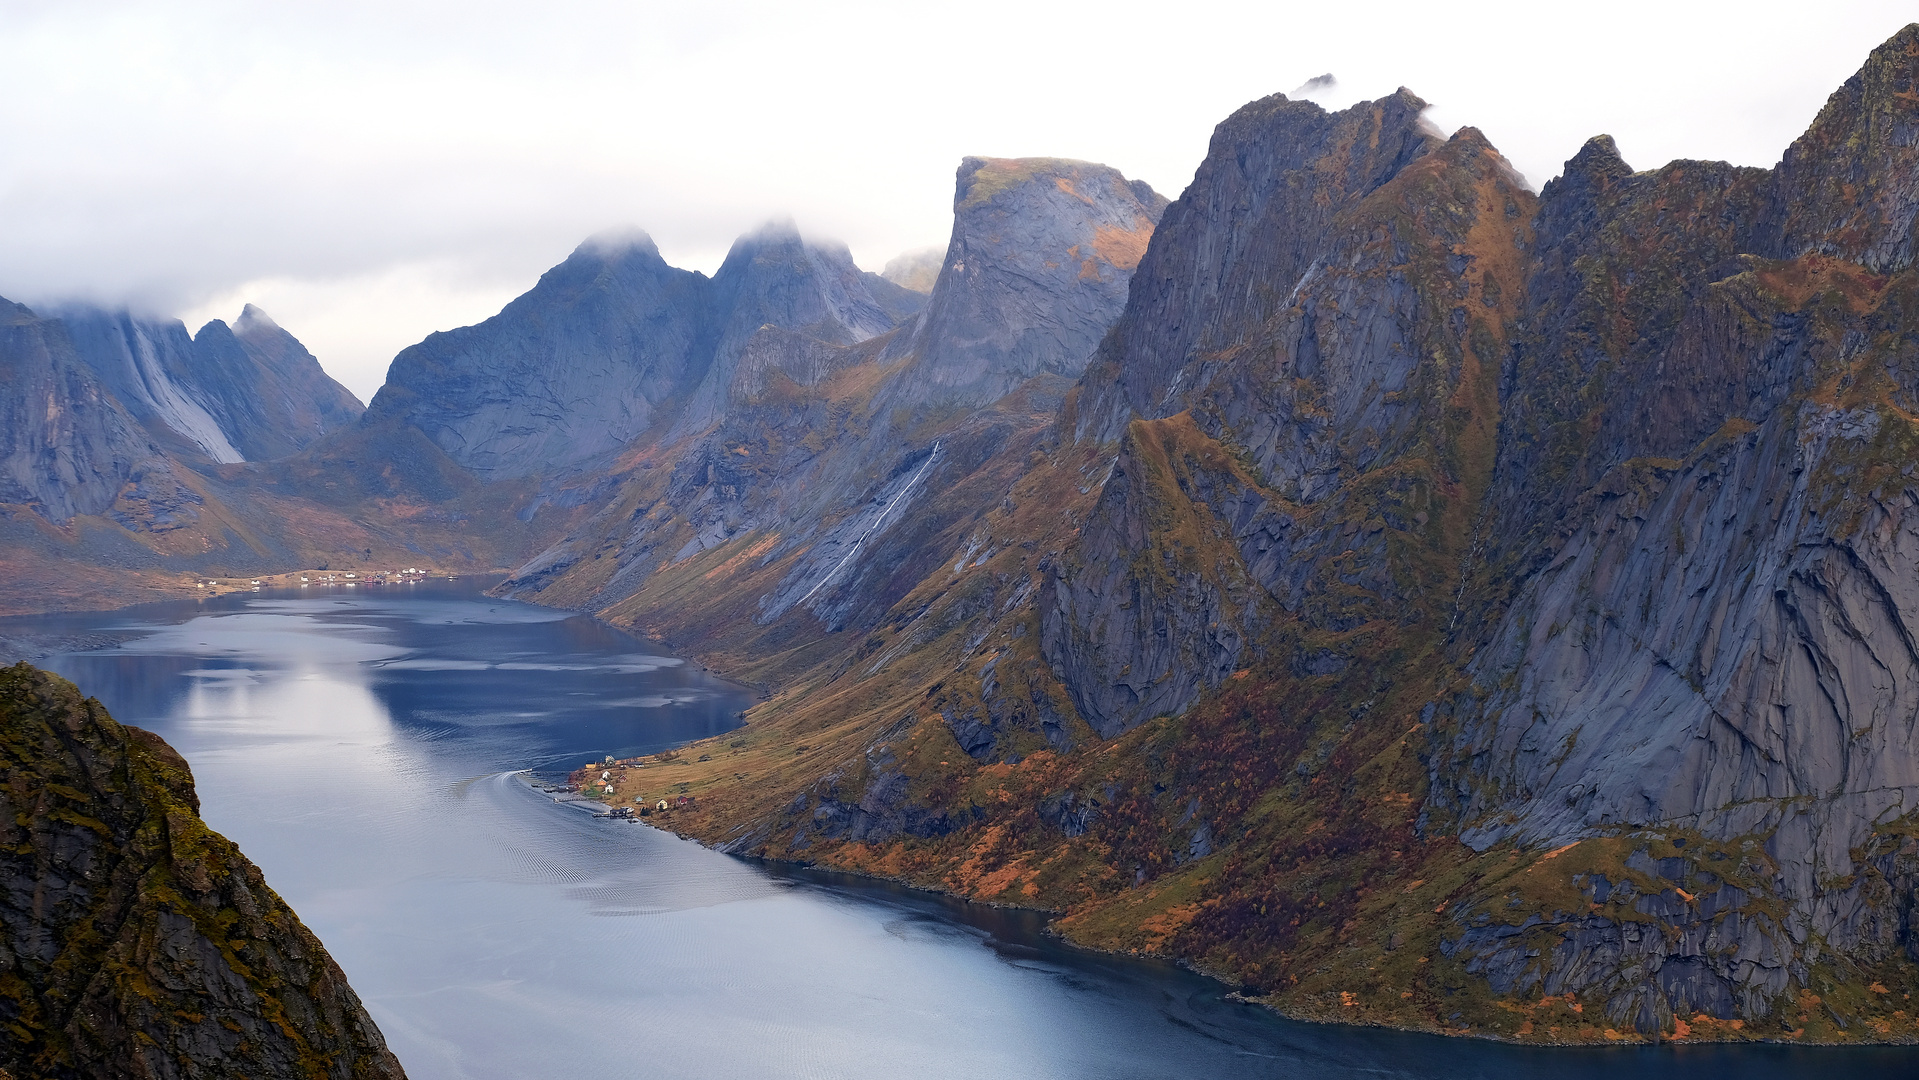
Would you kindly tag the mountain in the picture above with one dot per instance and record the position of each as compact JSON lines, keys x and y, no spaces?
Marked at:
{"x":138,"y":942}
{"x":612,"y":343}
{"x":1040,"y":258}
{"x":1433,"y":604}
{"x":67,"y":446}
{"x":567,"y":372}
{"x":137,"y":461}
{"x":1414,"y":599}
{"x":831,"y":468}
{"x":249,"y":393}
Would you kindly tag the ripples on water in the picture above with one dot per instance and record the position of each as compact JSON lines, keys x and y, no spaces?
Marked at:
{"x":368,"y":749}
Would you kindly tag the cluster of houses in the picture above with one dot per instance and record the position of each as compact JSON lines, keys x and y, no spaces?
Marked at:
{"x":371,"y":577}
{"x":608,"y":786}
{"x":322,"y":577}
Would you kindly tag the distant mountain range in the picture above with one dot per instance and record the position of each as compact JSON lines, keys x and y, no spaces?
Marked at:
{"x":1420,"y":600}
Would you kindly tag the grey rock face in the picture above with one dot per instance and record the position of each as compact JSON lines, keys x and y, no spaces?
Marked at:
{"x":613,"y":342}
{"x":1131,"y":627}
{"x":899,"y":302}
{"x":774,"y":278}
{"x":1242,"y":239}
{"x":254,"y":394}
{"x":67,"y":445}
{"x":1713,"y":630}
{"x":1290,"y":306}
{"x":1036,"y":271}
{"x":808,"y":438}
{"x":570,"y":371}
{"x":150,"y":366}
{"x":294,"y":399}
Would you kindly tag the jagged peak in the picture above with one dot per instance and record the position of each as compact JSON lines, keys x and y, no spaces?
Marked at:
{"x":1596,"y":167}
{"x":1470,"y":144}
{"x":1281,"y":120}
{"x":252,"y":320}
{"x":1847,"y":186}
{"x":1599,"y":156}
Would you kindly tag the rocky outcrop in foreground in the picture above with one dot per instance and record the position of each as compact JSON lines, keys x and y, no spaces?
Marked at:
{"x":135,"y":941}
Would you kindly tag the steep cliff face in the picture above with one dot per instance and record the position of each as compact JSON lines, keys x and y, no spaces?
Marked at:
{"x":254,"y":395}
{"x":69,"y":445}
{"x":150,"y":366}
{"x":1037,"y":269}
{"x":833,"y":453}
{"x":1718,"y":643}
{"x":1847,"y":187}
{"x":1437,"y":605}
{"x":137,"y":942}
{"x":1340,"y":340}
{"x":774,"y":278}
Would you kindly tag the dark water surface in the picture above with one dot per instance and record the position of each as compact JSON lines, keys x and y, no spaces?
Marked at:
{"x":365,"y":747}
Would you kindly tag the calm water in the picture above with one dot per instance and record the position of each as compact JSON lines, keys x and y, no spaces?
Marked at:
{"x":365,"y":747}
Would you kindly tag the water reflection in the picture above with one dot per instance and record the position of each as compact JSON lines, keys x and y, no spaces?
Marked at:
{"x":368,"y":748}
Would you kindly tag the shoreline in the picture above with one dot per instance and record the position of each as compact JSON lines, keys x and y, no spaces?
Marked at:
{"x":1230,"y":990}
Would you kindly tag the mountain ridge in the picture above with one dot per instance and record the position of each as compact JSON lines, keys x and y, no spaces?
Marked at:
{"x":1415,"y":599}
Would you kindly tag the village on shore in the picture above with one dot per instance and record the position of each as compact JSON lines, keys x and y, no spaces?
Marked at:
{"x":619,"y":782}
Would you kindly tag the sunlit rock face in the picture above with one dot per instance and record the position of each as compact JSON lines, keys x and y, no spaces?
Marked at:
{"x":137,"y":942}
{"x":1037,"y":269}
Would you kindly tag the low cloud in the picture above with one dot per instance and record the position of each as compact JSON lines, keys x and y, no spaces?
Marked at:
{"x":370,"y":172}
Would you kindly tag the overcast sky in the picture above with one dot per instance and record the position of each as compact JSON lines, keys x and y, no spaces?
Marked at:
{"x":371,"y":172}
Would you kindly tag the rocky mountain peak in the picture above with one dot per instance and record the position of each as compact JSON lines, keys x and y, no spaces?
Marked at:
{"x":254,"y":322}
{"x":1596,"y":167}
{"x":1849,"y":187}
{"x":1038,"y":265}
{"x":1263,"y":206}
{"x":285,"y":399}
{"x":573,"y":368}
{"x":775,"y":277}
